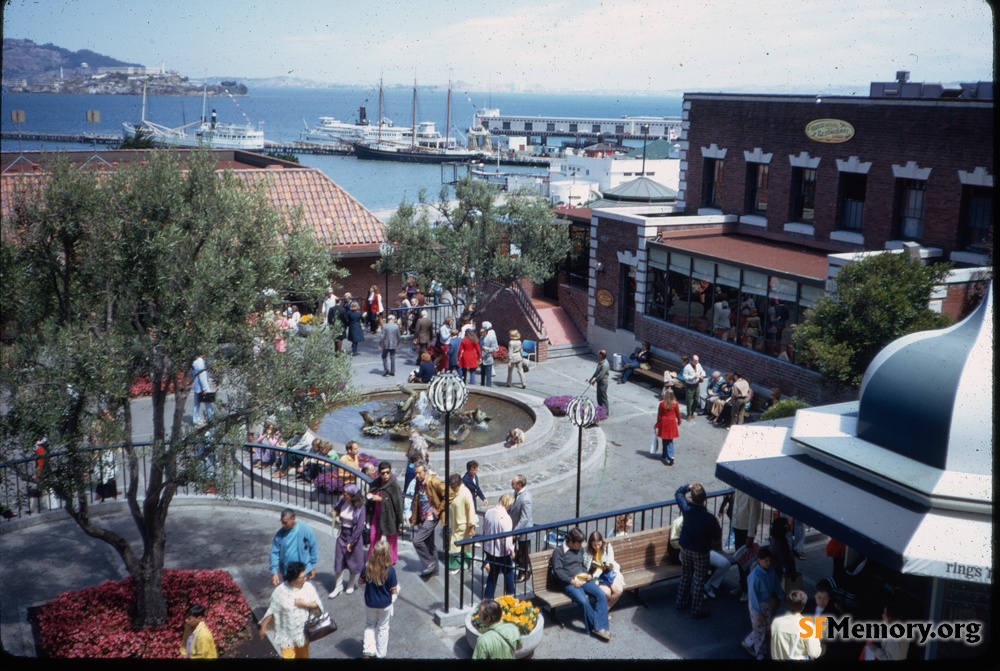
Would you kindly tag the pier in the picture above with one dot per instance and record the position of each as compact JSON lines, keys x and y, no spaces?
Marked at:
{"x":84,"y":138}
{"x":544,"y":127}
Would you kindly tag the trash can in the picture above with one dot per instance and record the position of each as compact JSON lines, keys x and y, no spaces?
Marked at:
{"x":616,"y":362}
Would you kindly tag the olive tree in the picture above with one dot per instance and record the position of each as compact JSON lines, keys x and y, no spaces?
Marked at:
{"x":877,"y":300}
{"x":114,"y":276}
{"x":479,"y":244}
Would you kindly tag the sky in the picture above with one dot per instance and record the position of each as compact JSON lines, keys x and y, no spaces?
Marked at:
{"x":641,"y":46}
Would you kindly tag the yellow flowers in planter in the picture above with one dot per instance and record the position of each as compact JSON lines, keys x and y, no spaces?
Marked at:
{"x":520,"y":613}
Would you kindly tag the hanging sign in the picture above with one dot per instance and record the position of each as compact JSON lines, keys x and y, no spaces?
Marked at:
{"x":605,"y":298}
{"x":829,"y":131}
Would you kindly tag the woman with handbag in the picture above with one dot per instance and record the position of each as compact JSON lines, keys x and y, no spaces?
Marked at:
{"x":381,"y":588}
{"x":515,"y":358}
{"x":289,"y":609}
{"x":599,"y":558}
{"x":668,"y":422}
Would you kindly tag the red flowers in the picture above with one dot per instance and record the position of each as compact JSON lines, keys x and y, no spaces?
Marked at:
{"x":94,"y":622}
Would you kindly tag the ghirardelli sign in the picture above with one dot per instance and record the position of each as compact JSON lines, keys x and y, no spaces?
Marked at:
{"x":830,"y":131}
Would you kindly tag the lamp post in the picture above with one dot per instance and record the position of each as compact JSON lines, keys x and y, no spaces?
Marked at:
{"x":581,"y":412}
{"x":645,"y":136}
{"x":447,"y":393}
{"x":386,"y":249}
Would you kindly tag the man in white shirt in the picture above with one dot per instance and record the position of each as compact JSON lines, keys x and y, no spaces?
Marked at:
{"x":499,"y":551}
{"x":786,"y":642}
{"x":693,"y":375}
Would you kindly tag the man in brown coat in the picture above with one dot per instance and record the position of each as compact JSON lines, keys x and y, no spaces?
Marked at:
{"x":428,"y":506}
{"x":423,"y":331}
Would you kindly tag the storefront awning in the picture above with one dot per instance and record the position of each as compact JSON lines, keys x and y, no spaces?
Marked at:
{"x":767,"y":463}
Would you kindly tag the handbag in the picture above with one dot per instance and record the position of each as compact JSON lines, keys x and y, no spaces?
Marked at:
{"x":206,"y":397}
{"x":654,"y":444}
{"x":607,"y":577}
{"x":318,"y":626}
{"x":524,"y":366}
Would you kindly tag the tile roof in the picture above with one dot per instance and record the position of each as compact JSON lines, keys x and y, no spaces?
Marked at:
{"x":754,"y":252}
{"x":337,"y":219}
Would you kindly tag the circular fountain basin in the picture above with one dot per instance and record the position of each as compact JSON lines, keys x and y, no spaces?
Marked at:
{"x":345,"y":424}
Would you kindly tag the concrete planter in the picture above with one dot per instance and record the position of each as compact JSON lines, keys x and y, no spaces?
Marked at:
{"x":529,"y":641}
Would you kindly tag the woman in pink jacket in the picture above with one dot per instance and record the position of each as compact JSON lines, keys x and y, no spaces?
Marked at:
{"x":469,"y":356}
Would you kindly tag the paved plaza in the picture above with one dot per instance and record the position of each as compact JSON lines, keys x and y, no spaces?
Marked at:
{"x":40,"y":559}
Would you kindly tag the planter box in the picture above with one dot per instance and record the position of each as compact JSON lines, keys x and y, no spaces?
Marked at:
{"x":529,"y":641}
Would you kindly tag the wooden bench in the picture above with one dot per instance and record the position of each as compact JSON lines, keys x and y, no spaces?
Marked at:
{"x":654,"y":375}
{"x":643,"y":558}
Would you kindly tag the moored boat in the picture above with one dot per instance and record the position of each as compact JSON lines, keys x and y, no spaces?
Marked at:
{"x":207,"y":131}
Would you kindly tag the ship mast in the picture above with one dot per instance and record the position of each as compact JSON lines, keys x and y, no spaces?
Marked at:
{"x":413,"y":137}
{"x":379,"y":136}
{"x":447,"y":127}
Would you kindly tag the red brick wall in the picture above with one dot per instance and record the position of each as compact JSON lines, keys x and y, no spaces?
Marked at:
{"x":505,"y":314}
{"x":945,"y":137}
{"x":612,"y":237}
{"x":361,"y":277}
{"x":762,"y":371}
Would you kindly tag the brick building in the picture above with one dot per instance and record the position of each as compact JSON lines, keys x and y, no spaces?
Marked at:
{"x":776,"y":193}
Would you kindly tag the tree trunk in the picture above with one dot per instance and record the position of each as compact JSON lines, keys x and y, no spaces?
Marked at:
{"x":150,"y":604}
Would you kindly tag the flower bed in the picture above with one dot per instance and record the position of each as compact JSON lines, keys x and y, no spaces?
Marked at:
{"x":329,"y":482}
{"x":521,"y":613}
{"x":95,"y":622}
{"x":143,"y":386}
{"x":557,"y":405}
{"x":500,"y":354}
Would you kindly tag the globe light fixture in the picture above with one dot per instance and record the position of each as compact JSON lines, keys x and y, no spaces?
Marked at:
{"x":581,"y":412}
{"x":447,"y":393}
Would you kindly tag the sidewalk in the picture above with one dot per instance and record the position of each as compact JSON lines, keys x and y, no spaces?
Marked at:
{"x":40,"y":561}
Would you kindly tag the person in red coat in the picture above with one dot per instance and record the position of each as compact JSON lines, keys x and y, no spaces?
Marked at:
{"x":469,"y":356}
{"x":668,"y":421}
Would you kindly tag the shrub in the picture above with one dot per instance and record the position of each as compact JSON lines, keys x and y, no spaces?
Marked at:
{"x":500,"y":354}
{"x":95,"y":622}
{"x":557,"y":406}
{"x":786,"y":407}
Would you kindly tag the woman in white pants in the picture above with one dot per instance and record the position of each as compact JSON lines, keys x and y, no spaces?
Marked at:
{"x":514,"y":357}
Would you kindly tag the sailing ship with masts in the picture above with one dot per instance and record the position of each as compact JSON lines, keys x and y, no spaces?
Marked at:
{"x":425,"y":145}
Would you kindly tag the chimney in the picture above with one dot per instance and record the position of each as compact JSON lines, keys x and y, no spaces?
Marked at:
{"x":902,"y":76}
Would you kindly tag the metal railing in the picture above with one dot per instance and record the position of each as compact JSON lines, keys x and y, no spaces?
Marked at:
{"x":542,"y":536}
{"x":22,"y":493}
{"x":529,"y":310}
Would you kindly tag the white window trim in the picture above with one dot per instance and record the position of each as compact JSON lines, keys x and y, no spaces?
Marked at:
{"x":978,"y":177}
{"x":854,"y":164}
{"x":803,"y":160}
{"x":910,"y":171}
{"x":849,"y":237}
{"x":800,"y":228}
{"x":713,"y":151}
{"x":757,"y":156}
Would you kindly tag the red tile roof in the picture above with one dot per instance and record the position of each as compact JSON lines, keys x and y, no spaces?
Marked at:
{"x":756,"y":252}
{"x":337,"y":219}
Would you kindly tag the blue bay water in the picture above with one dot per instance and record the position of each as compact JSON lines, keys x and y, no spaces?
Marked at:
{"x":286,"y":111}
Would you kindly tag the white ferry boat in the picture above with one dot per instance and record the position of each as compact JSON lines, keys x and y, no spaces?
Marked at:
{"x":331,"y":131}
{"x":206,"y":131}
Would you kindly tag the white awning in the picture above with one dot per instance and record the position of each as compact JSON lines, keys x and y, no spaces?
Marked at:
{"x":763,"y":460}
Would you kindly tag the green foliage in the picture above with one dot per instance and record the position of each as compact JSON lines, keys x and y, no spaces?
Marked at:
{"x":477,"y":240}
{"x":878,"y":299}
{"x":143,"y":139}
{"x":135,"y":273}
{"x":786,"y":407}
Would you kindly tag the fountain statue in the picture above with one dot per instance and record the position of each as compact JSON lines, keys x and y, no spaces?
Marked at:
{"x":414,"y":412}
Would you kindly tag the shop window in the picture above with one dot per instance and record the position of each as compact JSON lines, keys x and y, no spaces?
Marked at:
{"x":711,"y":182}
{"x":803,"y":194}
{"x":528,"y":126}
{"x":627,"y":286}
{"x":756,"y":202}
{"x":752,"y":307}
{"x":910,"y":195}
{"x":595,"y":128}
{"x":656,"y":293}
{"x":851,"y":202}
{"x":976,"y":216}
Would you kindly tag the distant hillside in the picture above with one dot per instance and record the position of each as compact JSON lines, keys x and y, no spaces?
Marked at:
{"x":23,"y":59}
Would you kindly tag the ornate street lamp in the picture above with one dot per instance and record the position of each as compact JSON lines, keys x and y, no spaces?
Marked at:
{"x":581,"y":412}
{"x":447,"y":393}
{"x":386,"y":249}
